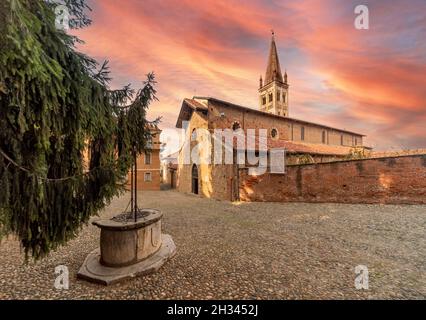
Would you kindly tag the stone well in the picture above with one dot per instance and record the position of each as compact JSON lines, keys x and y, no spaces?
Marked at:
{"x":128,"y":248}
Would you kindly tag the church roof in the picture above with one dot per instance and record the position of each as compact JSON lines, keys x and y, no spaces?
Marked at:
{"x":294,"y":147}
{"x":196,"y":105}
{"x":267,"y":114}
{"x":191,"y":105}
{"x":309,"y":148}
{"x":273,"y":70}
{"x":188,"y":107}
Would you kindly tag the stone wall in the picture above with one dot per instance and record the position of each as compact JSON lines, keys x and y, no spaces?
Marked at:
{"x":214,"y":181}
{"x":392,"y":180}
{"x":184,"y":180}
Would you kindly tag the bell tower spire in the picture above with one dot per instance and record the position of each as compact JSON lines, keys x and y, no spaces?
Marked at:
{"x":273,"y":93}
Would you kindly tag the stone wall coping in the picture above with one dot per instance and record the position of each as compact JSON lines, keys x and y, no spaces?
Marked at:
{"x":423,"y":155}
{"x":110,"y":224}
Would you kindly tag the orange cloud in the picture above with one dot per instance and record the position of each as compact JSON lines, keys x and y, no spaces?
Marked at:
{"x":371,"y":80}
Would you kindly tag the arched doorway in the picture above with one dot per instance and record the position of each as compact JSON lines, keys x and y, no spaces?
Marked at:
{"x":195,"y":179}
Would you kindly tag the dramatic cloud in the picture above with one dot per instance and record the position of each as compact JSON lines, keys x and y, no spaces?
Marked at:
{"x":372,"y":81}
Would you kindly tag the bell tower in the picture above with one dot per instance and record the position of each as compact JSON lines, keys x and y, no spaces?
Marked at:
{"x":273,"y":90}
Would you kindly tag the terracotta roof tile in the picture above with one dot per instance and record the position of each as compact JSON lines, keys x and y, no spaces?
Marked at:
{"x":189,"y":106}
{"x":299,"y":147}
{"x":320,"y":149}
{"x":196,"y":105}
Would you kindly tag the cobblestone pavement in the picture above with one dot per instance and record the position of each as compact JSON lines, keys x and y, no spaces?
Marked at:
{"x":248,"y":251}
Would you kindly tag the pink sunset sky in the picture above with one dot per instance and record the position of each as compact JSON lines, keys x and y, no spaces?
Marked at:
{"x":370,"y":81}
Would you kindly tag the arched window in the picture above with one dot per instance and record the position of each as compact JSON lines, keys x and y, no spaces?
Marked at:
{"x":302,"y":133}
{"x":194,"y":134}
{"x":274,"y":133}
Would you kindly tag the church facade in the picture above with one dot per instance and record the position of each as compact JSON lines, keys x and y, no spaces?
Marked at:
{"x":303,"y":141}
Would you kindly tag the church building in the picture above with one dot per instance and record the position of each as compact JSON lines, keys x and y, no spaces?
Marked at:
{"x":304,"y":141}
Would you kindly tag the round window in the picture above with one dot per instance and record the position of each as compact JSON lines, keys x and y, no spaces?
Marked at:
{"x":274,"y":133}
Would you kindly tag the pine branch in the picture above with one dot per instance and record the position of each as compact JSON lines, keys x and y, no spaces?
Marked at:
{"x":56,"y":110}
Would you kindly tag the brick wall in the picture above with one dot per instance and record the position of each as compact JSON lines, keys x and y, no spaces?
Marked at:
{"x":153,"y":185}
{"x":153,"y":169}
{"x":392,"y":180}
{"x":288,"y":129}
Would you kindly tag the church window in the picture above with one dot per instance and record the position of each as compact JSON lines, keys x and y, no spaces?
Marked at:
{"x":283,"y":96}
{"x":356,"y":141}
{"x":302,"y":134}
{"x":323,"y":137}
{"x":263,"y":99}
{"x":194,"y":134}
{"x":236,"y":126}
{"x":274,"y":133}
{"x":341,"y":139}
{"x":278,"y":96}
{"x":271,"y":97}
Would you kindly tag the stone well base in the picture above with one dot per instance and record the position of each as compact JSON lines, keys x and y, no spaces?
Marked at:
{"x":93,"y":271}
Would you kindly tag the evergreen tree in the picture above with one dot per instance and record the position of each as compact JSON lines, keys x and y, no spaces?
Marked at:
{"x":55,"y":103}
